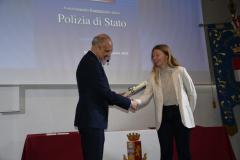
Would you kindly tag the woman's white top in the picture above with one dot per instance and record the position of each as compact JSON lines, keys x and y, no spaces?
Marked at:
{"x":169,"y":94}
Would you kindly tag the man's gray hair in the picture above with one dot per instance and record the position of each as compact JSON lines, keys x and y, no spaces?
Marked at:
{"x":100,"y":39}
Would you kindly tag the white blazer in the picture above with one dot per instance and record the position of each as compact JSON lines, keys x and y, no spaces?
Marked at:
{"x":185,"y":92}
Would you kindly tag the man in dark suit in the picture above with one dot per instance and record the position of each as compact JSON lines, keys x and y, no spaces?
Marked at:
{"x":94,"y":97}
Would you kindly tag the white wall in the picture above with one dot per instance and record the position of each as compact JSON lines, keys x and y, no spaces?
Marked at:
{"x":51,"y":109}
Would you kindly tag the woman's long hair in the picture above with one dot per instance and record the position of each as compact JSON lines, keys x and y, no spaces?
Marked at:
{"x":172,"y":62}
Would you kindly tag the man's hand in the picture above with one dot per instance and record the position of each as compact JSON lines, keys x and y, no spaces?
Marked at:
{"x":134,"y":105}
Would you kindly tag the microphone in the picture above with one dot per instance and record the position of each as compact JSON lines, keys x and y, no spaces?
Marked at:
{"x":135,"y":89}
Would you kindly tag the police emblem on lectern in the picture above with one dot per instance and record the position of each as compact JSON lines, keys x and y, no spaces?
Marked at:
{"x":134,"y":148}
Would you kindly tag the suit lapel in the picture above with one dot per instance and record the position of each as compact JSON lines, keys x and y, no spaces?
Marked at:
{"x":101,"y":69}
{"x":104,"y":74}
{"x":175,"y":82}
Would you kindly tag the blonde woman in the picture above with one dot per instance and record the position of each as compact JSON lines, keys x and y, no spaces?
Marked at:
{"x":174,"y":97}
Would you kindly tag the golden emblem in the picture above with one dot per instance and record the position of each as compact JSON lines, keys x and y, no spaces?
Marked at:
{"x":134,"y":148}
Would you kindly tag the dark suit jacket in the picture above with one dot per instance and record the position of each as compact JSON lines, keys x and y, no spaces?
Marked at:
{"x":94,"y":94}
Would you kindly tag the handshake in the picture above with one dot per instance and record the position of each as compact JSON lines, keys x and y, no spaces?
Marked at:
{"x":133,"y":90}
{"x":134,"y":105}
